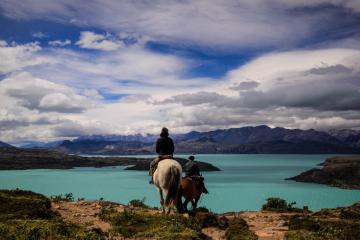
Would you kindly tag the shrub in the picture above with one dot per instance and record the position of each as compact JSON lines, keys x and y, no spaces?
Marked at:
{"x":239,"y":230}
{"x":67,"y":197}
{"x":275,"y":204}
{"x":303,"y":222}
{"x":280,"y":205}
{"x":138,"y":203}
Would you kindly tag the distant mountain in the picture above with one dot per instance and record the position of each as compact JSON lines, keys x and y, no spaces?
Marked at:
{"x":348,"y":136}
{"x":259,"y":139}
{"x":5,"y":145}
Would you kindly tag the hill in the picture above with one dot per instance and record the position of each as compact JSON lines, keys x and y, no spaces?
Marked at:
{"x":259,"y":139}
{"x":343,"y":172}
{"x":5,"y":145}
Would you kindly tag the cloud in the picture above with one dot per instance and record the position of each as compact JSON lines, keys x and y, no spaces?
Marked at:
{"x":43,"y":95}
{"x":216,"y":24}
{"x":39,"y":35}
{"x":59,"y":43}
{"x":14,"y":57}
{"x":92,"y":40}
{"x":245,"y":85}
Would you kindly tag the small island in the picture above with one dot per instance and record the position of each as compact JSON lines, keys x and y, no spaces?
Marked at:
{"x":342,"y":172}
{"x":20,"y":158}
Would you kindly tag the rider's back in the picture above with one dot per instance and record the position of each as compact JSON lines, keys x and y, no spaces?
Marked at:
{"x":165,"y":146}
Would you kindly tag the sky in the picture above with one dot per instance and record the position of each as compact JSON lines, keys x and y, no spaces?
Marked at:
{"x":74,"y":67}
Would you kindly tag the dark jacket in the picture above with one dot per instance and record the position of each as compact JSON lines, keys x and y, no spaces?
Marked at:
{"x":191,"y":168}
{"x":165,"y":146}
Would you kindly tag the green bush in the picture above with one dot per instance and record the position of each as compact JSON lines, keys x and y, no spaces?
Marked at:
{"x":303,"y":222}
{"x":280,"y":205}
{"x":239,"y":230}
{"x":28,"y":215}
{"x":138,"y":203}
{"x":19,"y":204}
{"x":67,"y":197}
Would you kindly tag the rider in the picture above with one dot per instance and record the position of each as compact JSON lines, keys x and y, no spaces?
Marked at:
{"x":192,"y":170}
{"x":165,"y":149}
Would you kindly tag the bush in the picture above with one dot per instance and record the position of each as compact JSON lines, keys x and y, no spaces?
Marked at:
{"x":19,"y":204}
{"x":303,"y":222}
{"x":280,"y":205}
{"x":138,"y":203}
{"x":275,"y":204}
{"x":28,"y":215}
{"x":68,"y":197}
{"x":239,"y":230}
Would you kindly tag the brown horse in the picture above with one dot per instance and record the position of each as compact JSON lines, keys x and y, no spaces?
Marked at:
{"x":191,"y":190}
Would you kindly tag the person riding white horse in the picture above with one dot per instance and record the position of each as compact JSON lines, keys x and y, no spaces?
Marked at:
{"x":165,"y":148}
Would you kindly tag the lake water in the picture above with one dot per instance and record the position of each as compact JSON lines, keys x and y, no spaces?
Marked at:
{"x":244,"y":183}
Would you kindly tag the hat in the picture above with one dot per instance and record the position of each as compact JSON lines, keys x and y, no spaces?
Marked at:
{"x":191,"y":158}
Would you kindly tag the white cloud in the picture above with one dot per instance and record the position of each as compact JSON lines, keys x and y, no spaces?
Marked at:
{"x":105,"y":42}
{"x":211,"y":23}
{"x":14,"y":57}
{"x":59,"y":43}
{"x":39,"y":35}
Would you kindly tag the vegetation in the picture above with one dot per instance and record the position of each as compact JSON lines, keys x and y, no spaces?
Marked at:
{"x":28,"y":215}
{"x":138,"y":203}
{"x":320,"y":226}
{"x":139,"y":224}
{"x":239,"y":230}
{"x":67,"y":197}
{"x":280,"y":205}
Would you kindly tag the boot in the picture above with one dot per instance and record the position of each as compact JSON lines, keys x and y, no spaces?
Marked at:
{"x":151,"y":181}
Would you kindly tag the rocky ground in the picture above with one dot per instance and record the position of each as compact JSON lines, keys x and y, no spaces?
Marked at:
{"x":266,"y":225}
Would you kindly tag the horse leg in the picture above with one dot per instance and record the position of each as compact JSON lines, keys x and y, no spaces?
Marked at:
{"x":193,"y":204}
{"x":196,"y":201}
{"x":185,"y":205}
{"x":162,"y":200}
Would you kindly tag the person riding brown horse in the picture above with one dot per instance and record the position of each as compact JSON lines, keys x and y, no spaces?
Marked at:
{"x":165,"y":149}
{"x":192,"y":185}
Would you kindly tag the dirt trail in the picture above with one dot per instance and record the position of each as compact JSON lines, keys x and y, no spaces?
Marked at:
{"x":267,"y":225}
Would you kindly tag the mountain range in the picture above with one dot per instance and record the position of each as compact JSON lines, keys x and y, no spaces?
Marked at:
{"x":258,"y":139}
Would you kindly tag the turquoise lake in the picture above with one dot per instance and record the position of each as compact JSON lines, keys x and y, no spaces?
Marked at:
{"x":244,"y":183}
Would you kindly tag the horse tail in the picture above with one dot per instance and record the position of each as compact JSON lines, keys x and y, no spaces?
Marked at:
{"x":174,"y":183}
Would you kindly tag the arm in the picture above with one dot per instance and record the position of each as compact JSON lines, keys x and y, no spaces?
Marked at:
{"x":172,"y":148}
{"x":158,"y":146}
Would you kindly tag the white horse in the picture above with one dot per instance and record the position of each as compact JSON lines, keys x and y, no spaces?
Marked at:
{"x":167,"y":178}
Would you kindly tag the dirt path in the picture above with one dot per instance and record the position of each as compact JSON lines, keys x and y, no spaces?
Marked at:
{"x":85,"y":213}
{"x":267,"y":225}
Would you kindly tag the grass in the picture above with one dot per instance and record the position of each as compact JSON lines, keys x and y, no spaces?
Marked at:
{"x":319,"y":228}
{"x":28,"y":215}
{"x":144,"y":224}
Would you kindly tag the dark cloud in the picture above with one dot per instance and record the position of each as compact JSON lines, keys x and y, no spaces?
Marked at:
{"x":191,"y":99}
{"x":336,"y":69}
{"x":246,"y":85}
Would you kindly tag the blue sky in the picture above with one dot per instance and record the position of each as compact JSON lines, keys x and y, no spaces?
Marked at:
{"x":71,"y":68}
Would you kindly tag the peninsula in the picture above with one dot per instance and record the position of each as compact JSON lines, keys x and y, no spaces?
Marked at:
{"x":343,"y":172}
{"x":20,"y":158}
